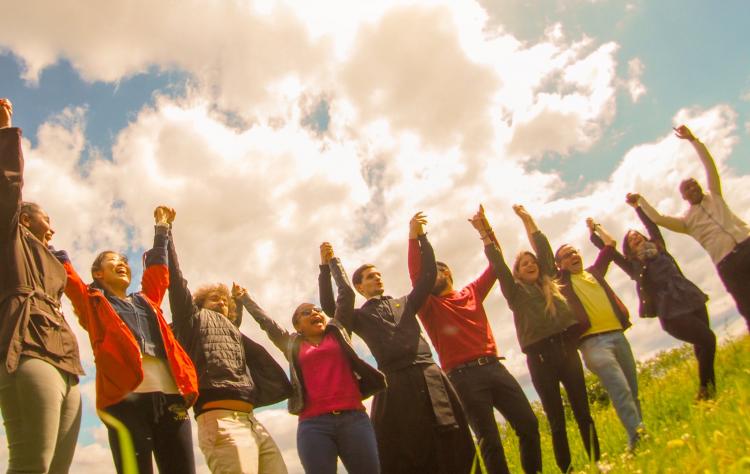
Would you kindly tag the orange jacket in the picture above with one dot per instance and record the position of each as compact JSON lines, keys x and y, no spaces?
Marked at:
{"x":116,"y":352}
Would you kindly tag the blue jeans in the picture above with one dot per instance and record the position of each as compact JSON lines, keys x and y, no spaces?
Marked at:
{"x":348,"y":435}
{"x":609,"y":356}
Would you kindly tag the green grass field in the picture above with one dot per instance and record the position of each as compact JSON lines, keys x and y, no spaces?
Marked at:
{"x":684,"y":436}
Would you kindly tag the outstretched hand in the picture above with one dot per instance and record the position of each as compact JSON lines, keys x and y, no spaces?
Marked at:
{"x":238,"y":291}
{"x":326,"y":253}
{"x":684,"y":133}
{"x":591,"y":224}
{"x":6,"y":113}
{"x":416,"y":225}
{"x":632,"y":199}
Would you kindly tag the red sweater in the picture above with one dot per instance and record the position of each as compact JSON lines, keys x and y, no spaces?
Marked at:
{"x":457,"y":323}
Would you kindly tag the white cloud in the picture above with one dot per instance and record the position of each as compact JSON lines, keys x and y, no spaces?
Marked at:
{"x":635,"y":87}
{"x":428,"y":111}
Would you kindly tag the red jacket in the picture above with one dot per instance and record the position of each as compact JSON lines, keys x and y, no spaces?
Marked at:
{"x":116,"y":352}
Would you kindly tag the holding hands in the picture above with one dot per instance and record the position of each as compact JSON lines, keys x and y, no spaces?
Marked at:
{"x":237,"y":291}
{"x":416,"y":225}
{"x":6,"y":113}
{"x":481,"y":224}
{"x":591,"y":224}
{"x":164,"y":215}
{"x":326,"y":253}
{"x":632,"y":199}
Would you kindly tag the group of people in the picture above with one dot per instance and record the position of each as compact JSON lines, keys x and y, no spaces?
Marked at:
{"x":149,"y":372}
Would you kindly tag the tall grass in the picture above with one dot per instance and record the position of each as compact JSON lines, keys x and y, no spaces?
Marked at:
{"x":684,"y":436}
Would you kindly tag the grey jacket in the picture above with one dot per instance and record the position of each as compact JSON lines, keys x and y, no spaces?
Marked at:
{"x":369,"y":378}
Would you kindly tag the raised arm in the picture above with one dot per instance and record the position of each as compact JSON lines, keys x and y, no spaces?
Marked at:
{"x":675,"y":224}
{"x":712,"y":174}
{"x":607,"y":251}
{"x":508,"y":285}
{"x":180,"y":298}
{"x":538,"y":241}
{"x":617,"y":257}
{"x":76,"y":290}
{"x":11,"y":172}
{"x":528,"y":224}
{"x":428,"y":269}
{"x":278,"y":335}
{"x":325,"y":289}
{"x":638,"y":203}
{"x":342,"y":309}
{"x":155,"y":281}
{"x":345,"y":301}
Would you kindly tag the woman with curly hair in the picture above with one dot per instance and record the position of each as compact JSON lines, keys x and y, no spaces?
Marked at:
{"x":547,"y":332}
{"x":144,"y":378}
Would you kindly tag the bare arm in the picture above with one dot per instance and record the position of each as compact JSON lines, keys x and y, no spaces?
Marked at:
{"x":675,"y":224}
{"x":712,"y":174}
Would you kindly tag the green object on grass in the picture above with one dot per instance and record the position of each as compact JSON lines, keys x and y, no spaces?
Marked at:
{"x":127,"y":452}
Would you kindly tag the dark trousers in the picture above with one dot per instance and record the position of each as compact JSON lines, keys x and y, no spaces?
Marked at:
{"x":734,"y":271}
{"x":348,"y":435}
{"x":158,"y":424}
{"x":483,"y":387}
{"x":556,"y":361}
{"x":411,"y":439}
{"x":694,"y":328}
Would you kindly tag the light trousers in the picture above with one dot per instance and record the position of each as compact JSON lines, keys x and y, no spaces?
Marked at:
{"x":41,"y":408}
{"x":609,"y":356}
{"x":236,"y":442}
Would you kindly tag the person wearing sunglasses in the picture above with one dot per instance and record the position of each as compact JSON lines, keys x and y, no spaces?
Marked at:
{"x":329,"y":379}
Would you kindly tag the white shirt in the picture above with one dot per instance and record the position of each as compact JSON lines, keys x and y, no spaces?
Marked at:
{"x":715,"y":226}
{"x":710,"y":222}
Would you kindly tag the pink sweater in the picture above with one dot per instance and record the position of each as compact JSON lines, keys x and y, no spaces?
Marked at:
{"x":330,"y":384}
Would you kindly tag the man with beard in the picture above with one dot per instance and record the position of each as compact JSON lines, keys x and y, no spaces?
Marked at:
{"x":709,"y":220}
{"x":418,"y":420}
{"x":457,"y":324}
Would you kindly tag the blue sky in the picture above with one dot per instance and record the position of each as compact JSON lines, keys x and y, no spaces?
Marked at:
{"x":274,"y":126}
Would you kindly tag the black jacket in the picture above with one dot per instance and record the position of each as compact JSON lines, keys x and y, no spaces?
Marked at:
{"x":230,"y":366}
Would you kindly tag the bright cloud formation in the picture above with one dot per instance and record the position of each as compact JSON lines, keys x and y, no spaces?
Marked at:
{"x":429,"y":110}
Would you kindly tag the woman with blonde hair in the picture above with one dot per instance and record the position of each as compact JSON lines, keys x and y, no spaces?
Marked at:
{"x":547,"y":332}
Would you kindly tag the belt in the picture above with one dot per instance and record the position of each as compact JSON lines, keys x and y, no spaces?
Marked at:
{"x":598,"y":334}
{"x":735,"y":250}
{"x":484,"y":360}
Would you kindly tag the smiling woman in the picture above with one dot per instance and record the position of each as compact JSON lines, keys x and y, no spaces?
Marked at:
{"x":329,"y":380}
{"x":144,"y":378}
{"x":39,"y":359}
{"x":547,"y":332}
